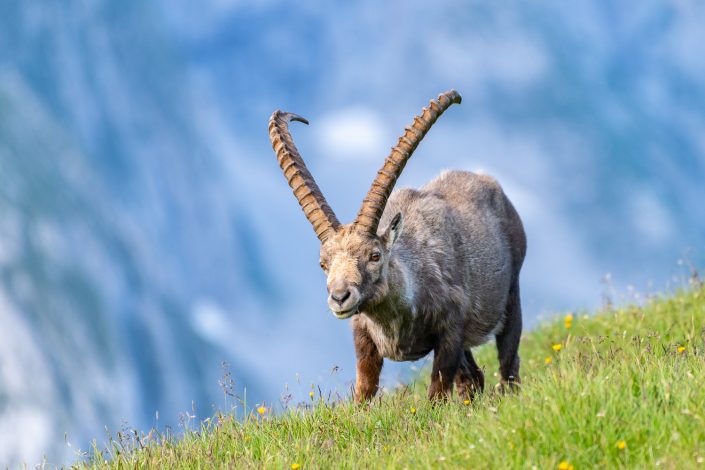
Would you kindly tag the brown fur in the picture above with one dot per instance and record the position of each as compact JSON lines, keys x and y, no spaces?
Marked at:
{"x":369,"y":366}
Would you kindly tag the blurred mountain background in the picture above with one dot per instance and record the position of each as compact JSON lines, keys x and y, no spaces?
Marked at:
{"x":147,"y":235}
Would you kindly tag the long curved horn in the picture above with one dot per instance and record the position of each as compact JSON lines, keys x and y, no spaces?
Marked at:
{"x":373,"y":205}
{"x":307,"y":192}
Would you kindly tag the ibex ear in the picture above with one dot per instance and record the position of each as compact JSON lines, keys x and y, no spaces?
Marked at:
{"x":393,"y":231}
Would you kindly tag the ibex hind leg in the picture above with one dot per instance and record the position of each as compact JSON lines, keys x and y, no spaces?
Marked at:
{"x":469,"y":380}
{"x":508,"y":340}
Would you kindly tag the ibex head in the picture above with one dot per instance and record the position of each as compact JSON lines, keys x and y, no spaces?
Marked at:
{"x":355,"y":256}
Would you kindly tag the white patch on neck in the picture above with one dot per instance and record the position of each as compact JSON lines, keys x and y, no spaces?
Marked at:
{"x":409,"y":286}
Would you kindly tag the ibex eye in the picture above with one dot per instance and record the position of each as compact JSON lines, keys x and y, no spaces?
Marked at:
{"x":324,"y":266}
{"x":375,"y":256}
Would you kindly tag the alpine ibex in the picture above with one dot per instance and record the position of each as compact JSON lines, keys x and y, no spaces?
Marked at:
{"x":445,"y":282}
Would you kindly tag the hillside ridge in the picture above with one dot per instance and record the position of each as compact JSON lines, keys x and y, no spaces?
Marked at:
{"x":621,"y":388}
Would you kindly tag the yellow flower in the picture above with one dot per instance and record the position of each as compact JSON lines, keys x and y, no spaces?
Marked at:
{"x":548,"y":360}
{"x":568,"y":321}
{"x":556,"y":347}
{"x":621,"y":445}
{"x":295,"y":466}
{"x":565,"y":466}
{"x":681,"y":349}
{"x":413,"y":410}
{"x":261,"y":410}
{"x":466,"y":402}
{"x":311,"y":394}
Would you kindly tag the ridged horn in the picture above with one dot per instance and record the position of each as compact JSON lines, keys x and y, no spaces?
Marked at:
{"x":307,"y":192}
{"x":373,"y":205}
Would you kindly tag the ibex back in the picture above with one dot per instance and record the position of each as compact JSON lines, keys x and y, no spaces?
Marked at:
{"x":434,"y":269}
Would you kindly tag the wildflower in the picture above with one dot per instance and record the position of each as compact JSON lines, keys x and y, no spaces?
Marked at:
{"x":565,"y":465}
{"x":568,"y":321}
{"x":548,"y":360}
{"x":261,"y":410}
{"x":466,"y":402}
{"x":621,"y":445}
{"x":681,"y":349}
{"x":295,"y":466}
{"x":413,"y":410}
{"x":557,"y":347}
{"x":311,"y":394}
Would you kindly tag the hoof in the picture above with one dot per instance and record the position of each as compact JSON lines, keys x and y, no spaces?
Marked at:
{"x":511,"y":385}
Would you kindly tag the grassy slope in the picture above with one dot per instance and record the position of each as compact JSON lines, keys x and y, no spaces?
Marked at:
{"x":619,"y":376}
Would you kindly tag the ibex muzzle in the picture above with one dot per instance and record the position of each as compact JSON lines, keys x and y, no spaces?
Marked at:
{"x":434,"y":269}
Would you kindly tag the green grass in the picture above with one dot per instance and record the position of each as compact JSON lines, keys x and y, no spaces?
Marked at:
{"x":634,"y":375}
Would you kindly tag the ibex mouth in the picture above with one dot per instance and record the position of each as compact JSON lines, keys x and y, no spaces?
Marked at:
{"x":344,"y":302}
{"x":345,"y":314}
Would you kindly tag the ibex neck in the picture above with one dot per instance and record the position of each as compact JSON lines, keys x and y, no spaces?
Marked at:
{"x":399,"y":299}
{"x":401,"y":281}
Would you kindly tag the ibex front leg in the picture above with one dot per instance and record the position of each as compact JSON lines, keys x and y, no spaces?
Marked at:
{"x":369,"y":364}
{"x":446,"y":359}
{"x":470,"y":380}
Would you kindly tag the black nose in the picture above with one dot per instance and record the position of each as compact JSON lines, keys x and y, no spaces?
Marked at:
{"x":340,"y":295}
